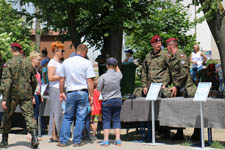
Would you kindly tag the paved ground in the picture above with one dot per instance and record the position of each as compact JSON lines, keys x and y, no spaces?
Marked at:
{"x":20,"y":142}
{"x":129,"y":142}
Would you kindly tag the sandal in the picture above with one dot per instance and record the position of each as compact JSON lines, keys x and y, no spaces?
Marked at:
{"x":53,"y":140}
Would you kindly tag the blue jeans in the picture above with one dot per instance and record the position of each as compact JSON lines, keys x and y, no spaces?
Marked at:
{"x":76,"y":106}
{"x":111,"y":112}
{"x":36,"y":112}
{"x":86,"y":131}
{"x":194,"y":72}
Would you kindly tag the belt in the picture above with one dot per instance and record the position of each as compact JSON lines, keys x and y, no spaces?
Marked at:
{"x":85,"y":90}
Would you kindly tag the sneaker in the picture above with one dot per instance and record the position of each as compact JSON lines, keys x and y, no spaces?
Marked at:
{"x":118,"y":142}
{"x":78,"y":144}
{"x":61,"y":145}
{"x":105,"y":143}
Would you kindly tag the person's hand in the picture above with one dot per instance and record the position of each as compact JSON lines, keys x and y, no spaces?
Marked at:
{"x":33,"y":101}
{"x":42,"y":99}
{"x":4,"y":107}
{"x":163,"y":87}
{"x":145,"y":90}
{"x":194,"y":62}
{"x":174,"y":91}
{"x":62,"y":97}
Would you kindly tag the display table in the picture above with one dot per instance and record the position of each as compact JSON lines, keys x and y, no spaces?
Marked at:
{"x":172,"y":112}
{"x":138,"y":110}
{"x":183,"y":112}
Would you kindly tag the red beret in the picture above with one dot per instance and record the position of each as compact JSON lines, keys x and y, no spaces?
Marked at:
{"x":171,"y":39}
{"x":155,"y":38}
{"x":16,"y":45}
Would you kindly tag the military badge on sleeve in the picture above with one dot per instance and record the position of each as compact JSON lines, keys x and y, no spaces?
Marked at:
{"x":182,"y":62}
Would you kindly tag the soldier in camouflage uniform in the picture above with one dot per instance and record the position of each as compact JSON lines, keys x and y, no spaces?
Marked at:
{"x":18,"y":84}
{"x":179,"y":72}
{"x":180,"y":76}
{"x":155,"y":66}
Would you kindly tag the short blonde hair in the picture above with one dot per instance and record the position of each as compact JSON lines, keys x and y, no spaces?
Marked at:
{"x":34,"y":54}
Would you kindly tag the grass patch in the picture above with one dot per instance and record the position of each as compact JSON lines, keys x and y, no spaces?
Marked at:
{"x":217,"y":145}
{"x":186,"y":143}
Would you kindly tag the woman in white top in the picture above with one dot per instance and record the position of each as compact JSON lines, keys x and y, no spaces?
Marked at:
{"x":56,"y":114}
{"x":197,"y":59}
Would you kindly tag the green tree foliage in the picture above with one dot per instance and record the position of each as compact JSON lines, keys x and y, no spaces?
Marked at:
{"x":99,"y":22}
{"x":163,"y":18}
{"x":12,"y":29}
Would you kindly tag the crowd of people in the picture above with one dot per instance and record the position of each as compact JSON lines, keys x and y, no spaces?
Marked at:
{"x":77,"y":96}
{"x":71,"y":83}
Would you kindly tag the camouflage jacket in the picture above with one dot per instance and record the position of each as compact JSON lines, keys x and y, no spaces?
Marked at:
{"x":18,"y":79}
{"x":179,"y":70}
{"x":155,"y":69}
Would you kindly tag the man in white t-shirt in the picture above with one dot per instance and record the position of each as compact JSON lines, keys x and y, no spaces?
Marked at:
{"x":77,"y":74}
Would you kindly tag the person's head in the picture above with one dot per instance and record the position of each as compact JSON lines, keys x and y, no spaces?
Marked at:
{"x":211,"y":67}
{"x":172,"y":45}
{"x":156,"y":43}
{"x":44,"y":52}
{"x":35,"y":59}
{"x":129,"y":53}
{"x":111,"y":63}
{"x":57,"y":49}
{"x":16,"y":48}
{"x":82,"y":50}
{"x":196,"y":48}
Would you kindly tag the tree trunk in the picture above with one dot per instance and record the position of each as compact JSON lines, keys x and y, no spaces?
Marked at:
{"x":74,"y":35}
{"x":116,"y":33}
{"x":217,"y":27}
{"x":106,"y":47}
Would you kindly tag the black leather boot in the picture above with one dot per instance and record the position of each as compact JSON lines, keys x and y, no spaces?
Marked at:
{"x":34,"y":140}
{"x":4,"y":143}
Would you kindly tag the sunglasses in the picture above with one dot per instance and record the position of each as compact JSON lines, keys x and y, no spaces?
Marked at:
{"x":62,"y":51}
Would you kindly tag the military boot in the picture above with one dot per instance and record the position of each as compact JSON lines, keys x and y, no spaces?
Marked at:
{"x":34,"y":140}
{"x":4,"y":143}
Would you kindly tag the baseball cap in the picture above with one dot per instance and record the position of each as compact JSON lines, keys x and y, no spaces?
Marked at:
{"x":15,"y":44}
{"x":171,"y":39}
{"x":112,"y":61}
{"x":129,"y":51}
{"x":44,"y":61}
{"x":156,"y":38}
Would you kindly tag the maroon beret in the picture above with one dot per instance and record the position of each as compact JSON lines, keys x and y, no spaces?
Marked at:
{"x":15,"y":44}
{"x":171,"y":39}
{"x":155,"y":38}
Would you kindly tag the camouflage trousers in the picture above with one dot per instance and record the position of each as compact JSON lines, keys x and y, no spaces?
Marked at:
{"x":26,"y":107}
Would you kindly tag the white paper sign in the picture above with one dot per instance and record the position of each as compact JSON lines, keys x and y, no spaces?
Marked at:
{"x":153,"y":91}
{"x":202,"y":92}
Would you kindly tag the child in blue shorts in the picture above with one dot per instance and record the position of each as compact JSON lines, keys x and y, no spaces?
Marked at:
{"x":109,"y":85}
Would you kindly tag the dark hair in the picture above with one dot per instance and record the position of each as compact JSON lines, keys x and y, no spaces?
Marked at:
{"x":14,"y":48}
{"x":44,"y":52}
